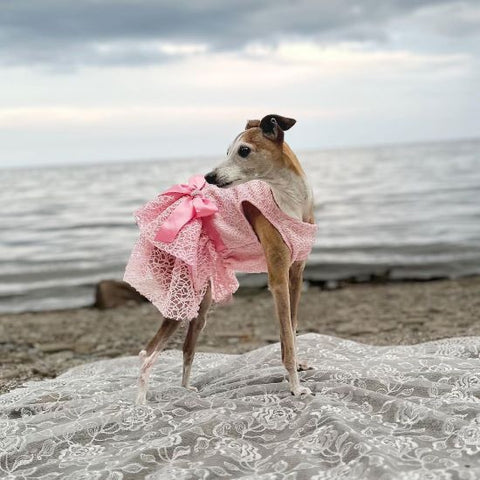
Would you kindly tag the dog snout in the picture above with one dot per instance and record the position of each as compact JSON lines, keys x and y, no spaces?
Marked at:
{"x":211,"y":178}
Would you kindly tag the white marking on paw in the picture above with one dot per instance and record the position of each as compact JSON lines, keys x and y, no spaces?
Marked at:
{"x":301,"y":391}
{"x":191,"y":387}
{"x":141,"y":398}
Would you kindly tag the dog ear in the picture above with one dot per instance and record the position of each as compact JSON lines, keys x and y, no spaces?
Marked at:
{"x":252,"y":123}
{"x":273,"y":126}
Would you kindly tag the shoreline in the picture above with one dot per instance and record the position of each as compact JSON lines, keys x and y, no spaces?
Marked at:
{"x":37,"y":345}
{"x":252,"y":283}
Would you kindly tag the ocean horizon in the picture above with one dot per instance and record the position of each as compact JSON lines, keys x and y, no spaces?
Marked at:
{"x":401,"y":212}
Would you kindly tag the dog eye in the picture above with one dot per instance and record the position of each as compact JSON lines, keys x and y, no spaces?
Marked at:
{"x":243,"y":151}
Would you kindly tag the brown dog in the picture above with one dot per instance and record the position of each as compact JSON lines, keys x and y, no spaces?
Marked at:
{"x":258,"y":153}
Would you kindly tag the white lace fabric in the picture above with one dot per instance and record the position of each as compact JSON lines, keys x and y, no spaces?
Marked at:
{"x":406,"y":412}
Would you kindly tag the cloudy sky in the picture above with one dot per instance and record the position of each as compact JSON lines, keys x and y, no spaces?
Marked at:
{"x":107,"y":80}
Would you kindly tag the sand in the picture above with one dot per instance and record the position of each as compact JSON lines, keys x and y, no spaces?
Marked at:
{"x":45,"y":344}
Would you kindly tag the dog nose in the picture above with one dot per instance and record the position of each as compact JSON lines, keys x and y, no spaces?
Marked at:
{"x":211,"y":178}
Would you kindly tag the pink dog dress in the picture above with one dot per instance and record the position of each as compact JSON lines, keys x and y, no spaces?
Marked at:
{"x":196,"y":234}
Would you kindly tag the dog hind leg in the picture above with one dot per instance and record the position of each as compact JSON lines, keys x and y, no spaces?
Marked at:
{"x":194,"y":329}
{"x":150,"y":354}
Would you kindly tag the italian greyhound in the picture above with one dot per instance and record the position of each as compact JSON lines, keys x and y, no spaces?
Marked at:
{"x":257,"y":153}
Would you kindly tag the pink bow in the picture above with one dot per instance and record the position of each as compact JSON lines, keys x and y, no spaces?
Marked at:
{"x":194,"y":205}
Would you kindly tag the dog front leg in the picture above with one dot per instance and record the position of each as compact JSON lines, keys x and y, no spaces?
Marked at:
{"x":277,"y":257}
{"x":150,"y":354}
{"x":295,"y":283}
{"x":194,"y":329}
{"x":278,"y":284}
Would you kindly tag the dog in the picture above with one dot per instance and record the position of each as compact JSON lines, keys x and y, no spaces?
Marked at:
{"x":258,"y":153}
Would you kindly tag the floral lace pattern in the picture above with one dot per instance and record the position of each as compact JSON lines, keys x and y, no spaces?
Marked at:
{"x":407,"y":412}
{"x":174,"y":276}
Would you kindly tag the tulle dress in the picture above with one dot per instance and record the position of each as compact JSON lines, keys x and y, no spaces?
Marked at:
{"x":174,"y":274}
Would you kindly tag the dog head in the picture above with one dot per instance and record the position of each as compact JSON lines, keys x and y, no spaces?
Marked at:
{"x":255,"y":153}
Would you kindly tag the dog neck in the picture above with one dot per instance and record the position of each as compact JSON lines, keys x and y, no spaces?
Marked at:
{"x":291,"y":192}
{"x":290,"y":188}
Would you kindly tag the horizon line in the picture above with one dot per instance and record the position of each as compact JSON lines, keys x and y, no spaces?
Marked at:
{"x":104,"y":162}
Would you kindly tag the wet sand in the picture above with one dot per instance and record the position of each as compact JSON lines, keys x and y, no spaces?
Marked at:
{"x":45,"y":344}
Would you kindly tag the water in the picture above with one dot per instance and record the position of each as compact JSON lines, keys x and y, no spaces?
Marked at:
{"x":408,"y":212}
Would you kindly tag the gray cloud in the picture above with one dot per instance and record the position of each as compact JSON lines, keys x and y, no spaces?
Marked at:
{"x":65,"y":33}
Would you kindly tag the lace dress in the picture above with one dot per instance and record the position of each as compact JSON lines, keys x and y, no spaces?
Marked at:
{"x":174,"y":275}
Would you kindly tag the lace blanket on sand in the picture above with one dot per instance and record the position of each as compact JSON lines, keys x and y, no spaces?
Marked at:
{"x":409,"y":412}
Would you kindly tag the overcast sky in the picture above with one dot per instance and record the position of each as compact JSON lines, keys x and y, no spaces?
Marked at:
{"x":107,"y":80}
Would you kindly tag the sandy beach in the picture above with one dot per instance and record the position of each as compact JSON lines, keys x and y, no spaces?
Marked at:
{"x":45,"y":344}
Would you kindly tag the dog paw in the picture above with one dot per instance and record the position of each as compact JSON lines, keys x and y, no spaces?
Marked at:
{"x":141,"y":399}
{"x":142,"y":355}
{"x":301,"y":391}
{"x":191,"y":388}
{"x":302,"y":366}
